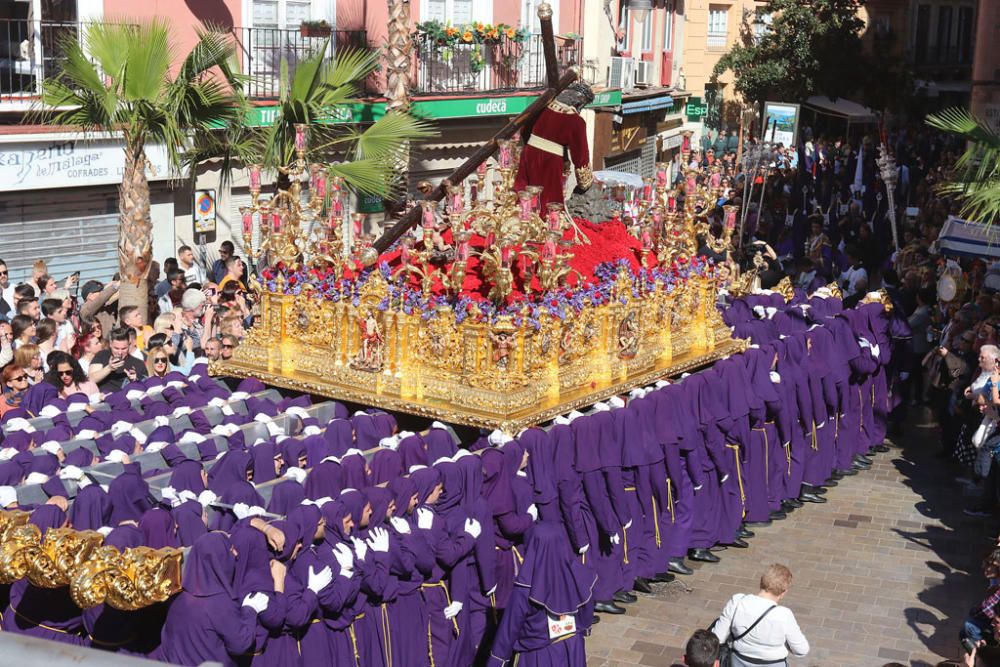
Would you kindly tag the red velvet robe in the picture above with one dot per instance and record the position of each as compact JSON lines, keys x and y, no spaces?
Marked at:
{"x":562,"y":125}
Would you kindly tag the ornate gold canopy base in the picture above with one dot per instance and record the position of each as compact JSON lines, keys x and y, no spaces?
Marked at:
{"x":505,"y":374}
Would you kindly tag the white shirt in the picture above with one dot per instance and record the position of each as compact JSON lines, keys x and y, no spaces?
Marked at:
{"x":194,"y":274}
{"x":768,"y":640}
{"x":7,"y":294}
{"x":851,"y":278}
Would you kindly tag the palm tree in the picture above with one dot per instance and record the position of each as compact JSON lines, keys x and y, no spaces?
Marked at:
{"x":117,"y":78}
{"x":313,"y":94}
{"x":976,"y":178}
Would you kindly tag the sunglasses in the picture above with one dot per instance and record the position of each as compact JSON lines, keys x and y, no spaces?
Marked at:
{"x":3,"y":273}
{"x":66,"y":373}
{"x":160,"y":360}
{"x":19,"y":378}
{"x":227,"y":347}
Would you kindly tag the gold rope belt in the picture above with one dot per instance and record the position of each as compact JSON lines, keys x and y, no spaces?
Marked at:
{"x":739,"y":477}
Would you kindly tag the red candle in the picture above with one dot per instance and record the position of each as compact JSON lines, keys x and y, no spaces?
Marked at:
{"x":321,"y":185}
{"x":555,"y":224}
{"x":300,"y":137}
{"x":255,"y":178}
{"x":265,"y":222}
{"x":247,"y":224}
{"x":276,"y":220}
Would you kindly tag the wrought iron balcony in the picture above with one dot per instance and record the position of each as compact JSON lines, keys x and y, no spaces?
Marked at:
{"x":503,"y":65}
{"x":262,"y":49}
{"x":30,"y":52}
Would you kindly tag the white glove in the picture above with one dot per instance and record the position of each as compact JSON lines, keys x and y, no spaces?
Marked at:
{"x":400,"y":525}
{"x":298,"y":412}
{"x":319,"y":580}
{"x":425,"y":518}
{"x":491,"y":591}
{"x":724,"y":478}
{"x":168,"y":493}
{"x":71,"y":473}
{"x":627,"y":525}
{"x":256,"y":601}
{"x":116,"y":456}
{"x":241,"y":510}
{"x":360,"y":548}
{"x":473,"y":528}
{"x":206,"y":498}
{"x":775,"y":377}
{"x":378,"y":540}
{"x":451,"y":611}
{"x":533,"y":511}
{"x":120,"y":428}
{"x":584,"y":549}
{"x":345,"y":558}
{"x":616,"y":539}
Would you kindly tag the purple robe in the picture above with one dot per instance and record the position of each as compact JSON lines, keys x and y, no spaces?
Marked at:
{"x":205,"y":622}
{"x":129,"y":494}
{"x":91,"y":508}
{"x":46,"y":613}
{"x":550,"y":584}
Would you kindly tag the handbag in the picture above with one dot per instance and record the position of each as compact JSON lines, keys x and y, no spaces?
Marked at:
{"x":726,"y":651}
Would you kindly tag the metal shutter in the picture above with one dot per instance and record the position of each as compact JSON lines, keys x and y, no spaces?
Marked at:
{"x":630,"y":162}
{"x":230,"y":215}
{"x":648,"y":167}
{"x":74,"y":229}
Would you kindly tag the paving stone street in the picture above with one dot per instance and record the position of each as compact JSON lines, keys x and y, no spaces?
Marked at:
{"x":885,"y":571}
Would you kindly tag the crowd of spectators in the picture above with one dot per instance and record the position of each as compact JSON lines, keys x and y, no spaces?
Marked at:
{"x":78,"y":337}
{"x":819,"y":214}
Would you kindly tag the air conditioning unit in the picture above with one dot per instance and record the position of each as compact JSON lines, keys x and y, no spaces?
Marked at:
{"x":643,"y":73}
{"x":621,"y":73}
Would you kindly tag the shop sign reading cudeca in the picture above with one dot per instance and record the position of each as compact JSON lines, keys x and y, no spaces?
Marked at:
{"x":467,"y":107}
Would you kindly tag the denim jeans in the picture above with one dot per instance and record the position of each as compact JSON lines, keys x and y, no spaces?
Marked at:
{"x":971,"y":631}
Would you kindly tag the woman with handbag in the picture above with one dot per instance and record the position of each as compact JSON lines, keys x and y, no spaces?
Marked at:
{"x":755,"y":630}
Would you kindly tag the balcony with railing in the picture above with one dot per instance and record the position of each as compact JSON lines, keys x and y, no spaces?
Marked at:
{"x":504,"y":64}
{"x":261,"y":50}
{"x":30,"y":52}
{"x":940,"y":56}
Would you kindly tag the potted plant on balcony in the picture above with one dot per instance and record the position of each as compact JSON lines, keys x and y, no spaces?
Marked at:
{"x":315,"y":29}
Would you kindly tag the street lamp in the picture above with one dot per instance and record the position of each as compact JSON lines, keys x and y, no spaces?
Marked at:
{"x":640,"y":9}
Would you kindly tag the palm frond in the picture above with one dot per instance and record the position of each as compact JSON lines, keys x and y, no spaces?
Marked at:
{"x":351,"y":65}
{"x":106,"y":44}
{"x":215,"y":49}
{"x":366,"y":176}
{"x":148,"y":58}
{"x":975,"y":181}
{"x":385,"y":138}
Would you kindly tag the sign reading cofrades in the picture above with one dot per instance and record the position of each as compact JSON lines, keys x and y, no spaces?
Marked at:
{"x":33,"y":165}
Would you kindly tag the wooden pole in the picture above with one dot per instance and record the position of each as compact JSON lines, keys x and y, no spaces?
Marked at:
{"x":469,"y":166}
{"x":548,"y":44}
